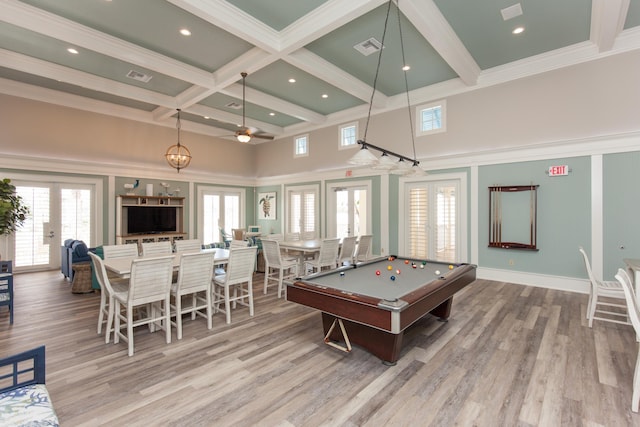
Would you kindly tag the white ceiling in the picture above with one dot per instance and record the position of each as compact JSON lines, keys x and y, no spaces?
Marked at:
{"x":452,"y":46}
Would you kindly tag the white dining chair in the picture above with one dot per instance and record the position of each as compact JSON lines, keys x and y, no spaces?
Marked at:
{"x":108,"y":288}
{"x":120,"y":251}
{"x":326,"y":257}
{"x":276,"y":265}
{"x":363,"y":250}
{"x":308,"y":235}
{"x":347,"y":251}
{"x":634,"y":316}
{"x":156,"y":248}
{"x":239,"y":278}
{"x":292,"y":237}
{"x":601,"y":309}
{"x":274,"y":236}
{"x":194,"y":283}
{"x":238,"y":244}
{"x":188,"y":245}
{"x":149,"y":287}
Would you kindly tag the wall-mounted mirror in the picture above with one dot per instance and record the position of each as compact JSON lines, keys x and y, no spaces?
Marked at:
{"x":513,"y":216}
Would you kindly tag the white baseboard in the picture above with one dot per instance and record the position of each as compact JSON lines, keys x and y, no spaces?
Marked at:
{"x":570,"y":284}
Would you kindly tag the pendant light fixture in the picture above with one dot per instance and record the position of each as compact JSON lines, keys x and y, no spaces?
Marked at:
{"x":178,"y":156}
{"x":404,"y":165}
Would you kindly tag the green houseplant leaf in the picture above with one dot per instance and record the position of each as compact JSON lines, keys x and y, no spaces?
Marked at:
{"x":13,"y":211}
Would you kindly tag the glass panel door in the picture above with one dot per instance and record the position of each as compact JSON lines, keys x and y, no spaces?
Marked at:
{"x":432,"y":227}
{"x":348,"y":211}
{"x":221,"y":209}
{"x":33,"y":241}
{"x":57,"y":212}
{"x":302,"y":208}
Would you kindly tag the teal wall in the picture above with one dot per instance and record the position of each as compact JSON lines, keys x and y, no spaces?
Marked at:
{"x":563,"y":217}
{"x":269,"y":226}
{"x":621,"y":204}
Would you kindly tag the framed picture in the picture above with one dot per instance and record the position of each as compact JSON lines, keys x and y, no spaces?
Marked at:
{"x":267,"y":205}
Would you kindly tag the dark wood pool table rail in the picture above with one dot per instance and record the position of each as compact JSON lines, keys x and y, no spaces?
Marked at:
{"x":372,"y":324}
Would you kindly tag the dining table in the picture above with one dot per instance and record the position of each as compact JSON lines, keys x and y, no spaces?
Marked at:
{"x":301,"y":249}
{"x":122,"y":266}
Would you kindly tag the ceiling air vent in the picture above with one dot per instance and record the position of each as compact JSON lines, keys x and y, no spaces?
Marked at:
{"x":511,"y":11}
{"x":137,"y":75}
{"x":368,"y":47}
{"x":234,"y":105}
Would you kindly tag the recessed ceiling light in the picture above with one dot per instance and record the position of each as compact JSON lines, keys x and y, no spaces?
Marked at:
{"x":324,"y":95}
{"x":72,"y":50}
{"x":185,"y":32}
{"x":207,"y":117}
{"x":406,"y":68}
{"x":518,"y":30}
{"x":292,"y":80}
{"x":272,"y":114}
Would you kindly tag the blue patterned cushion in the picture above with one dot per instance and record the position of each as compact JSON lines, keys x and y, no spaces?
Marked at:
{"x":27,"y":406}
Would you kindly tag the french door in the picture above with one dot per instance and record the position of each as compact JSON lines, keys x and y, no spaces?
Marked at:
{"x":220,"y":209}
{"x":432,"y":227}
{"x":58,"y":211}
{"x":302,"y":210}
{"x":349,"y":209}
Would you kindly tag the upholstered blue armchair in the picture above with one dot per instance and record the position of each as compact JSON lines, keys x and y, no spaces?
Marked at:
{"x":72,"y":251}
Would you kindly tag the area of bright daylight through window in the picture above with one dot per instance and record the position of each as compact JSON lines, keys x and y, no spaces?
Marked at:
{"x":431,"y":118}
{"x":348,"y":135}
{"x":301,"y":146}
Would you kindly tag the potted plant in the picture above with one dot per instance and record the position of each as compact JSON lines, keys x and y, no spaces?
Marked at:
{"x":13,"y":211}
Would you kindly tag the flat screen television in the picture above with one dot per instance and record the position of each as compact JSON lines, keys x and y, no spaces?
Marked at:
{"x":150,"y":219}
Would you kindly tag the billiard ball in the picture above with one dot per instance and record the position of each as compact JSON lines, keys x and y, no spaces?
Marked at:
{"x":414,"y":265}
{"x":450,"y":267}
{"x":421,"y":265}
{"x":389,"y":267}
{"x":406,"y":261}
{"x":424,"y":262}
{"x":392,"y":278}
{"x":398,"y":271}
{"x":377,"y":272}
{"x":341,"y":273}
{"x":390,"y":258}
{"x":437,"y":272}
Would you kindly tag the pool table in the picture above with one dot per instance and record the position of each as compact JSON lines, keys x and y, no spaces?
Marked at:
{"x":376,"y":301}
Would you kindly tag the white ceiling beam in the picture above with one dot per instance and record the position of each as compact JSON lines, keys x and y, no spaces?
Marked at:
{"x":38,"y":67}
{"x":265,"y":100}
{"x":322,"y":20}
{"x":428,"y":20}
{"x":324,"y":70}
{"x":234,"y":119}
{"x":607,"y":22}
{"x":50,"y":25}
{"x":248,"y":62}
{"x":235,"y":21}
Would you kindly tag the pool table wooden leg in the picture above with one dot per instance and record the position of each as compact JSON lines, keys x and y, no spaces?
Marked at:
{"x":443,"y":311}
{"x":382,"y":344}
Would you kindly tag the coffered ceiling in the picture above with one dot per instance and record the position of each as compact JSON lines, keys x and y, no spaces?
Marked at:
{"x":132,"y":61}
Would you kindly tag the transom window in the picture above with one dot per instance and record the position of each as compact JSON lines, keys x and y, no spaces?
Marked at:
{"x":348,"y":135}
{"x":301,"y":146}
{"x":431,"y":118}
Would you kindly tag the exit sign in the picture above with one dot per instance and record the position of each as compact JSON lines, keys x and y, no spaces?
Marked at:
{"x":558,"y":170}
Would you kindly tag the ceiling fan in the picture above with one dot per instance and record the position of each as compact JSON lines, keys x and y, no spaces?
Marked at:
{"x":245,"y":134}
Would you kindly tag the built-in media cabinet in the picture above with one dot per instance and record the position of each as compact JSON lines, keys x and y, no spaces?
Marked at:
{"x":141,"y":219}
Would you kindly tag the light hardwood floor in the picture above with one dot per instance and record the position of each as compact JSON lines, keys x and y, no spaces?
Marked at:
{"x":510,"y":355}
